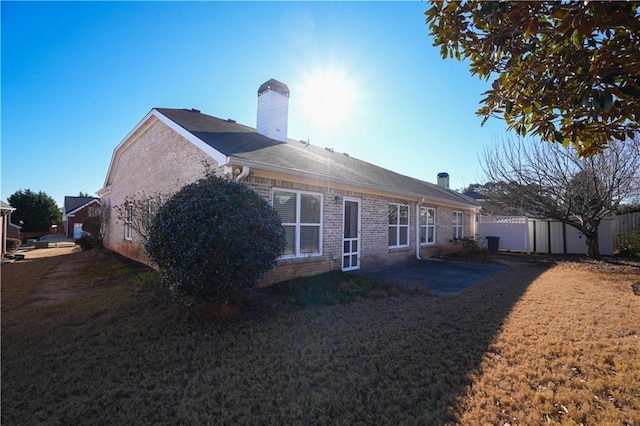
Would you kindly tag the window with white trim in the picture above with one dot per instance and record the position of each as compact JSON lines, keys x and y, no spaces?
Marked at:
{"x":398,"y":225}
{"x":128,"y":222}
{"x":301,"y":216}
{"x":458,"y":220}
{"x":427,"y":225}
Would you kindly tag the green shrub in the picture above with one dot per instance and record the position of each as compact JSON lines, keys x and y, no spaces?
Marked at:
{"x":92,"y":226}
{"x":13,"y":244}
{"x":469,"y":245}
{"x":215,"y":238}
{"x":630,"y":243}
{"x":87,"y":242}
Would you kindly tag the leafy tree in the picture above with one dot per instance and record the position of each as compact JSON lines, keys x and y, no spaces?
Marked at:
{"x":37,"y":211}
{"x":214,"y":238}
{"x":566,"y":71}
{"x":550,"y":180}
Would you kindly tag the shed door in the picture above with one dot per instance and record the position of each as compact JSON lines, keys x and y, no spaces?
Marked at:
{"x":351,"y":235}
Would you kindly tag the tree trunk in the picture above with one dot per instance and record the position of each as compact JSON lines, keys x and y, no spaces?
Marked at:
{"x":593,"y":248}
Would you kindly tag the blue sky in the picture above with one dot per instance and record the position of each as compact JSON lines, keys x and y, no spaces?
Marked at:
{"x":78,"y":76}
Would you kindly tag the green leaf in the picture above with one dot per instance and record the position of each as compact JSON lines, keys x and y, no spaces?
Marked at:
{"x":558,"y":137}
{"x":508,"y":108}
{"x":575,"y":37}
{"x":633,"y":91}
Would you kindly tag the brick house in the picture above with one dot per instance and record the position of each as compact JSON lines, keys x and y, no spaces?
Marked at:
{"x":75,"y":211}
{"x":338,"y":212}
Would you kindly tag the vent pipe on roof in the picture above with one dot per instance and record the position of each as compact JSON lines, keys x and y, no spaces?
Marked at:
{"x":443,"y":180}
{"x":273,"y":110}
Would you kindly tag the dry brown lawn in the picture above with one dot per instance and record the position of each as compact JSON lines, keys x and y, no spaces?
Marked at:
{"x":86,"y":339}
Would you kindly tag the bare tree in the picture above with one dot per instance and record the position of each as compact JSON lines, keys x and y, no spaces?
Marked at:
{"x":105,"y":215}
{"x":138,"y":210}
{"x":550,"y":180}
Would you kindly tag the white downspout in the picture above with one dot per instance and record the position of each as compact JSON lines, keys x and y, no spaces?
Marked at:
{"x":243,"y":174}
{"x":5,"y":219}
{"x":418,"y":229}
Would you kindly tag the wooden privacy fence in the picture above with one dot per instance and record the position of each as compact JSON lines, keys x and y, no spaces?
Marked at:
{"x":519,"y":233}
{"x":625,"y":223}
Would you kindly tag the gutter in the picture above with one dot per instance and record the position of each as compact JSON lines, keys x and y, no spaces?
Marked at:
{"x":418,"y":228}
{"x":392,"y":192}
{"x":243,"y":175}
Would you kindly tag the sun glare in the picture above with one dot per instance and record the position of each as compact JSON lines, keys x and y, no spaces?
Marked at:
{"x":328,"y":99}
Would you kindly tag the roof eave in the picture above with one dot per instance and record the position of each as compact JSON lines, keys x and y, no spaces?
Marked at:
{"x":77,"y":209}
{"x":144,"y":124}
{"x":303,"y":173}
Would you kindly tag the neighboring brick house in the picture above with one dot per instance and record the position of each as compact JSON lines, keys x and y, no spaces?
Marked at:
{"x":338,"y":212}
{"x":76,"y":211}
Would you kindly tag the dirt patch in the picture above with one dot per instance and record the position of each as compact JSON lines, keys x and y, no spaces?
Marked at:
{"x":48,"y":252}
{"x":66,"y":280}
{"x":55,"y":275}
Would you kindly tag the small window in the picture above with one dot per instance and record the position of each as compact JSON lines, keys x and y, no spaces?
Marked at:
{"x":458,"y":220}
{"x":427,"y":225}
{"x":398,"y":225}
{"x":93,"y":211}
{"x":128,"y":222}
{"x":301,"y":214}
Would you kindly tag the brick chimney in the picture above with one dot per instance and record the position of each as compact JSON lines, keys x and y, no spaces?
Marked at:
{"x":273,"y":110}
{"x":443,"y":180}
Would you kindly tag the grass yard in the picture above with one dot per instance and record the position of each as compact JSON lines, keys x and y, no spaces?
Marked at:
{"x":86,"y":339}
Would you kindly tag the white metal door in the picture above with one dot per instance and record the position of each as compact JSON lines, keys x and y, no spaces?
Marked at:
{"x":351,"y":235}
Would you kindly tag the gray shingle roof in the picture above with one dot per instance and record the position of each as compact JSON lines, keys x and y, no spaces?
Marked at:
{"x":6,"y":206}
{"x":242,"y":143}
{"x":72,"y":203}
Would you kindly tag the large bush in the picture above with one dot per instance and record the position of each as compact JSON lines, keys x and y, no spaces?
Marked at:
{"x":87,"y":242}
{"x":215,"y":238}
{"x":91,"y":236}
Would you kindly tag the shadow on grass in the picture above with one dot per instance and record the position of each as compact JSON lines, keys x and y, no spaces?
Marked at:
{"x":338,"y":287}
{"x":461,"y":332}
{"x":393,"y":360}
{"x":404,"y":360}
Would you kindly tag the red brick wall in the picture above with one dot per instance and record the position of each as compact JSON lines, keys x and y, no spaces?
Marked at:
{"x":78,"y":217}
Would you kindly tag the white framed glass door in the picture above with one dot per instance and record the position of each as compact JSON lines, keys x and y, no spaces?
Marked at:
{"x":351,"y":234}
